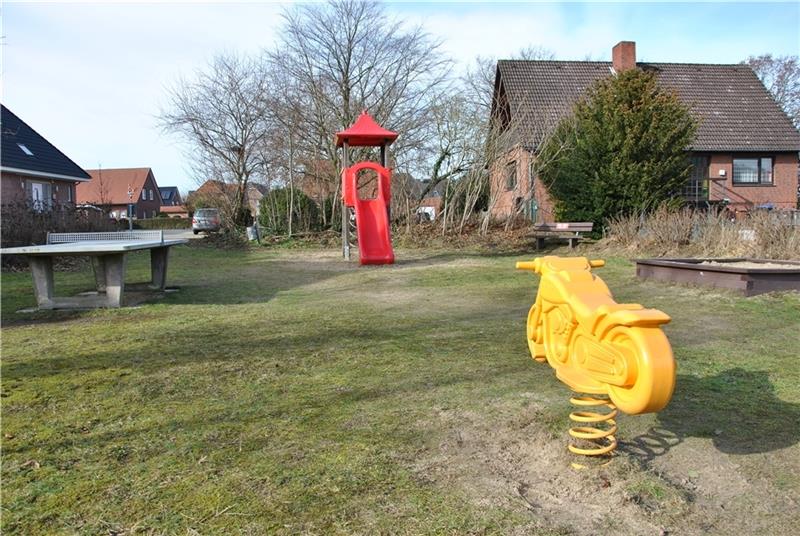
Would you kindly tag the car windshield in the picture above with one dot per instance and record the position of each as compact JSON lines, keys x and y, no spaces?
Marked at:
{"x":207,"y":212}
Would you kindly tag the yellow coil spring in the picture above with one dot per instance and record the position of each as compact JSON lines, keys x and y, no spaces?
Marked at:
{"x":595,"y":441}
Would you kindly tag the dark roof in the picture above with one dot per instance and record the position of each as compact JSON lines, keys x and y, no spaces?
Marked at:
{"x":168,"y":192}
{"x":45,"y":160}
{"x":734,"y":109}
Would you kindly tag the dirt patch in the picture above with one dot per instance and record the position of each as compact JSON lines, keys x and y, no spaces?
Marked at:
{"x":658,"y":485}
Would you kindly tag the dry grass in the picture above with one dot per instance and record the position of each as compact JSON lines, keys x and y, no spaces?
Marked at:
{"x":284,"y":391}
{"x":704,"y":234}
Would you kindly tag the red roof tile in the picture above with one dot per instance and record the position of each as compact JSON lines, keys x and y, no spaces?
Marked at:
{"x":110,"y":186}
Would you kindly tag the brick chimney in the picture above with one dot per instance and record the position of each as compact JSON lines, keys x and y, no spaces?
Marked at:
{"x":623,"y":56}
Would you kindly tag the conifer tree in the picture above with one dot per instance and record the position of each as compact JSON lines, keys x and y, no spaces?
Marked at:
{"x":623,"y":150}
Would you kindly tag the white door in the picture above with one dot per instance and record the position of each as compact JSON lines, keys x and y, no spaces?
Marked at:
{"x":37,"y":195}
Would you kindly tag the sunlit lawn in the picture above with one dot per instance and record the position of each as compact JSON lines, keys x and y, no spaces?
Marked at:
{"x":287,"y":391}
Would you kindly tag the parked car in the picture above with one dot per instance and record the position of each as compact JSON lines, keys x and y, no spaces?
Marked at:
{"x":205,"y":220}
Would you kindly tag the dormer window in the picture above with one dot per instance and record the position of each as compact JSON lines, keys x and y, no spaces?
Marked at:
{"x":25,"y":149}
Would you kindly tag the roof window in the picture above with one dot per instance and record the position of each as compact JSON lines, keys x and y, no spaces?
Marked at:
{"x":25,"y":149}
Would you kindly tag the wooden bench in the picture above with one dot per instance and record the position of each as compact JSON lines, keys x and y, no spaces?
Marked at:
{"x":571,"y":231}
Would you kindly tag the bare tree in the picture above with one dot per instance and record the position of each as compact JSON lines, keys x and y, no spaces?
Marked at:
{"x":455,"y":140}
{"x":781,"y":76}
{"x":478,"y":81}
{"x":103,"y":189}
{"x":222,"y":115}
{"x":474,"y":144}
{"x":345,"y":56}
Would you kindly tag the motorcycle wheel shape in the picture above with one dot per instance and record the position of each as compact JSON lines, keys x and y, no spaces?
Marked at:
{"x":654,"y":367}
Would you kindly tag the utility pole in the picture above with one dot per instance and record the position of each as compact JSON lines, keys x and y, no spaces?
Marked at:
{"x":130,"y":208}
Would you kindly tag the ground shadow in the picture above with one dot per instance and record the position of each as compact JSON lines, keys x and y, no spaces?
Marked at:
{"x":254,"y":284}
{"x":646,"y":447}
{"x":737,"y":409}
{"x":511,"y":253}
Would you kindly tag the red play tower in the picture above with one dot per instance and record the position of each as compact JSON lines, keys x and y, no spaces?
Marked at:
{"x":372,"y":215}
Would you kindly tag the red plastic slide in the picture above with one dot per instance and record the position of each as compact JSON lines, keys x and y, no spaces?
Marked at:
{"x":372,"y":220}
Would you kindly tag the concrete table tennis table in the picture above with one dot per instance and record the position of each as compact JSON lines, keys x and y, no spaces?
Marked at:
{"x":108,"y":251}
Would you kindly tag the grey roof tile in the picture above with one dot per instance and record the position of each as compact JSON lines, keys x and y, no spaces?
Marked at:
{"x":734,"y":109}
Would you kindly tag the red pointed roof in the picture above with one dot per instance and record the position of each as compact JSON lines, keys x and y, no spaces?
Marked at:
{"x":365,"y":132}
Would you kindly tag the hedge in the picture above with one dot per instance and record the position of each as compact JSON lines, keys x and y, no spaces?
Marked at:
{"x":160,"y":223}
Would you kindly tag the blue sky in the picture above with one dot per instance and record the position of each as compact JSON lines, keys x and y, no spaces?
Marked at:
{"x":92,"y":77}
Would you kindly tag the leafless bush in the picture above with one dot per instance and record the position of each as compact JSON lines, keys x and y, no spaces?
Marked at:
{"x":704,"y":234}
{"x":22,"y":225}
{"x":667,"y":229}
{"x":716,"y":235}
{"x":773,"y":238}
{"x":623,"y":232}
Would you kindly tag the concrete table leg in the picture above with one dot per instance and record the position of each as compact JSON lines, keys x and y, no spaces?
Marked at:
{"x":42,"y":270}
{"x":99,"y":268}
{"x":158,"y":267}
{"x":115,"y":279}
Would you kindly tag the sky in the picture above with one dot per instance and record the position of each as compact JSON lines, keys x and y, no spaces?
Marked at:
{"x":92,"y":78}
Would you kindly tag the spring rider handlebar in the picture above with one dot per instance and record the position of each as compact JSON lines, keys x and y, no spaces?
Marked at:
{"x":615,"y":353}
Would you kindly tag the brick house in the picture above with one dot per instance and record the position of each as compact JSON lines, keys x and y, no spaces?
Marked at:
{"x":109,"y":189}
{"x":32,"y":170}
{"x":318,"y":179}
{"x":745,"y":153}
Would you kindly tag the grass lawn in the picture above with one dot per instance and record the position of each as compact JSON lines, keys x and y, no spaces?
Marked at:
{"x":285,"y":391}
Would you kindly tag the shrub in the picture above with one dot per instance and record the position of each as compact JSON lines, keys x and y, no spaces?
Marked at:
{"x":704,"y":234}
{"x":274,"y":210}
{"x":22,"y":225}
{"x":622,"y":152}
{"x":162,"y":223}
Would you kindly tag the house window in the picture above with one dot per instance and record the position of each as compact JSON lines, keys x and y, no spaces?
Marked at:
{"x":151,"y":194}
{"x":696,"y":188}
{"x":511,"y":176}
{"x":531,"y":174}
{"x":752,"y":171}
{"x":40,"y":195}
{"x":69,"y":193}
{"x":144,"y":194}
{"x":25,"y":149}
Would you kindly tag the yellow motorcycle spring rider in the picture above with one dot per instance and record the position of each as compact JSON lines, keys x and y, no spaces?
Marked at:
{"x":613,"y":355}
